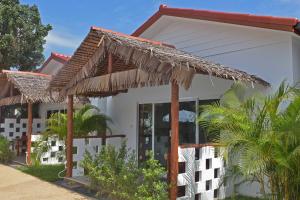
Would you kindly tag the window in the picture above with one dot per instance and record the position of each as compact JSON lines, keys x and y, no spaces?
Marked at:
{"x":53,"y":143}
{"x":24,"y":125}
{"x":11,"y":134}
{"x":38,"y":125}
{"x":217,"y":152}
{"x":60,"y":159}
{"x":197,"y":196}
{"x":53,"y":154}
{"x":181,"y":191}
{"x":17,"y":130}
{"x":60,"y":148}
{"x":217,"y":173}
{"x":216,"y":193}
{"x":198,"y":176}
{"x":145,"y":131}
{"x":45,"y":159}
{"x":181,"y":167}
{"x":96,"y":149}
{"x":11,"y":125}
{"x":74,"y":165}
{"x":203,"y":136}
{"x":197,"y":154}
{"x":208,"y":163}
{"x":74,"y":150}
{"x":86,"y":141}
{"x":208,"y":185}
{"x":2,"y":130}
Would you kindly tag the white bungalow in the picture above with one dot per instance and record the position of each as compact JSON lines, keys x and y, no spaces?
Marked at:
{"x":262,"y":45}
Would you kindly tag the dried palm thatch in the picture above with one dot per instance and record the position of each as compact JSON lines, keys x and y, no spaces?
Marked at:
{"x":146,"y":63}
{"x":24,"y":87}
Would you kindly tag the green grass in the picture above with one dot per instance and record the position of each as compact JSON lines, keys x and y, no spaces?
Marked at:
{"x":45,"y":172}
{"x":243,"y":198}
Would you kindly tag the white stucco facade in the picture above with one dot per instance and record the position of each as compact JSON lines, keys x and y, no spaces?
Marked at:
{"x":270,"y":54}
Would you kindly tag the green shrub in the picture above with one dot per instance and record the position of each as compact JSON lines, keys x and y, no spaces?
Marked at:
{"x":152,"y":187}
{"x":6,"y":155}
{"x":115,"y":175}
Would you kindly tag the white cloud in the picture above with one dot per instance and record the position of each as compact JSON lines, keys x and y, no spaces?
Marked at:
{"x":62,"y":39}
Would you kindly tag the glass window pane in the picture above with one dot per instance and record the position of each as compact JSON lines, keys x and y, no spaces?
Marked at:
{"x":162,"y":127}
{"x":145,"y":131}
{"x":204,"y":137}
{"x":187,"y":123}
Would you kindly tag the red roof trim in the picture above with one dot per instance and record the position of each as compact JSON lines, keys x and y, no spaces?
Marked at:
{"x":133,"y":37}
{"x":25,"y":72}
{"x":268,"y":22}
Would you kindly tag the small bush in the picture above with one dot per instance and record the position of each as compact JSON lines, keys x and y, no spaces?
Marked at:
{"x":115,"y":175}
{"x":6,"y":155}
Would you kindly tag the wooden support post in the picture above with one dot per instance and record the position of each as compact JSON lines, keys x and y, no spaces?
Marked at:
{"x":18,"y":146}
{"x":29,"y":132}
{"x":173,"y":171}
{"x":110,"y":63}
{"x":70,"y":136}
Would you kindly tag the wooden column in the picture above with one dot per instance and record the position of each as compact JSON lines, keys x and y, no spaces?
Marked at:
{"x":70,"y":136}
{"x":29,"y":132}
{"x":173,"y":171}
{"x":109,"y":71}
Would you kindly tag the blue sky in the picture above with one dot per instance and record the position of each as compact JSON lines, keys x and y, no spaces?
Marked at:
{"x":71,"y":19}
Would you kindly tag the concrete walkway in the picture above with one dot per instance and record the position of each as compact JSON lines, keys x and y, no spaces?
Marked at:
{"x":15,"y":185}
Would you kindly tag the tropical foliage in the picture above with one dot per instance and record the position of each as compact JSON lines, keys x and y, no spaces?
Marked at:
{"x":22,"y":36}
{"x":6,"y":155}
{"x":39,"y":148}
{"x":86,"y":120}
{"x":115,"y":175}
{"x":261,"y":137}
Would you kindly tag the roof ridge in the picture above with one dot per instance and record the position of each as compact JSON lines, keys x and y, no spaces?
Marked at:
{"x":133,"y":37}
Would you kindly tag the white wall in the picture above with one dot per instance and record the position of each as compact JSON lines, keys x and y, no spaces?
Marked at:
{"x":123,"y":107}
{"x":266,"y":53}
{"x":296,"y":58}
{"x":271,"y":55}
{"x":52,"y":67}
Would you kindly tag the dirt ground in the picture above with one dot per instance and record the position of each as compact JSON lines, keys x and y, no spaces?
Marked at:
{"x":15,"y":185}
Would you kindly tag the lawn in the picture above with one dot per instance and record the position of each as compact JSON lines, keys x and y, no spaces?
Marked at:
{"x":45,"y":172}
{"x":243,"y":198}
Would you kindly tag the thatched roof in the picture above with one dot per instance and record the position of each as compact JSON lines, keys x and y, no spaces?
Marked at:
{"x":136,"y":62}
{"x":23,"y":87}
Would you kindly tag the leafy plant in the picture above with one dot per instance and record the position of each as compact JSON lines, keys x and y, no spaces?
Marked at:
{"x":152,"y":187}
{"x":22,"y":36}
{"x":6,"y":155}
{"x":86,"y":120}
{"x":39,"y":148}
{"x":261,"y":137}
{"x":115,"y":175}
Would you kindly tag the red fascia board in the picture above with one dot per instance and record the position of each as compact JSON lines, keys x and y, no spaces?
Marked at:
{"x":268,"y":22}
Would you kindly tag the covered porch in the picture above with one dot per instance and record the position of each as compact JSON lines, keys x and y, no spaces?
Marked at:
{"x":21,"y":92}
{"x":114,"y":65}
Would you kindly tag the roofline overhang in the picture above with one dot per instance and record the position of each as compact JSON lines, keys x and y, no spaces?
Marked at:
{"x":268,"y":22}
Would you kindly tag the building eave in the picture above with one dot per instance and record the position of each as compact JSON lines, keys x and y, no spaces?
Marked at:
{"x":268,"y":22}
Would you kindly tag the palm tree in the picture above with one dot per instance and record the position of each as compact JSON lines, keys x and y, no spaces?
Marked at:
{"x":261,"y":137}
{"x":86,"y":120}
